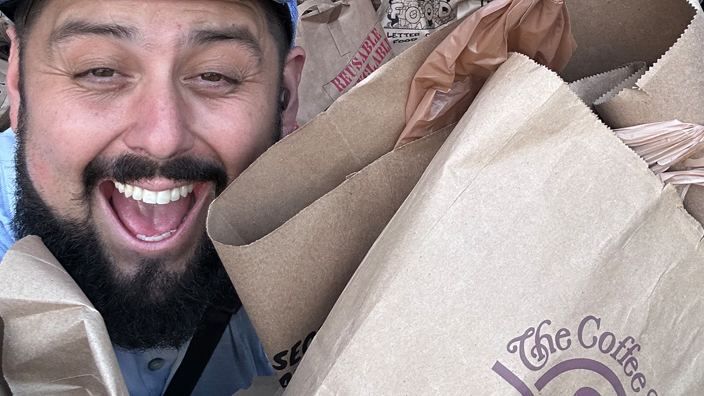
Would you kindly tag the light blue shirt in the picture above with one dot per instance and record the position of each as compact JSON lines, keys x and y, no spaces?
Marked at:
{"x":236,"y":360}
{"x":7,"y":189}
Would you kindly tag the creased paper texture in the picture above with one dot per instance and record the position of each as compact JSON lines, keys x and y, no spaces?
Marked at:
{"x":55,"y":341}
{"x":537,"y":256}
{"x":305,"y":263}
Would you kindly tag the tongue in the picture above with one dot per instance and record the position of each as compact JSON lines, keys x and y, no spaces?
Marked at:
{"x":149,"y":220}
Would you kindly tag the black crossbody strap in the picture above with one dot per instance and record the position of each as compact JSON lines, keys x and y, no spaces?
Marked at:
{"x":199,"y":351}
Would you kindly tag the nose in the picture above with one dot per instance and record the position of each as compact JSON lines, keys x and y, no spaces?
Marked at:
{"x":161,"y":127}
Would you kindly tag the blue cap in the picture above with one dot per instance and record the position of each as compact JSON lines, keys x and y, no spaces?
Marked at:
{"x":293,"y":12}
{"x":8,"y":8}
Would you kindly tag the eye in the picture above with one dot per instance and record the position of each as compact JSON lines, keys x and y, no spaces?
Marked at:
{"x":212,"y":77}
{"x":213,"y":84}
{"x":103,"y":72}
{"x":99,"y":72}
{"x":102,"y":79}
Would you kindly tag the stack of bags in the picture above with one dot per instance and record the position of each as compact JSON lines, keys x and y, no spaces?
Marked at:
{"x":536,"y":255}
{"x":465,"y":221}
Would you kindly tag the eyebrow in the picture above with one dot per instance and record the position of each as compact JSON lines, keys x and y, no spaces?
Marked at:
{"x":79,"y":28}
{"x":237,"y":34}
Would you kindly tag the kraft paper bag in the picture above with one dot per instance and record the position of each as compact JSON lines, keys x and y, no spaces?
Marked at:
{"x":55,"y":342}
{"x":672,"y":89}
{"x":289,"y":253}
{"x":355,"y":131}
{"x":610,"y":34}
{"x":289,"y":279}
{"x":4,"y":388}
{"x":344,"y":43}
{"x":591,"y":89}
{"x":537,"y":255}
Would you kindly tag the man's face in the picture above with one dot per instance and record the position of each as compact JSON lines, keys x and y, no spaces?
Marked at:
{"x":130,"y":114}
{"x":160,"y":80}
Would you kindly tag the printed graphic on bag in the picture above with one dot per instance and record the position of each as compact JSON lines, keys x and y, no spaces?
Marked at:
{"x":408,"y":21}
{"x":618,"y":367}
{"x":344,"y":42}
{"x":410,"y":14}
{"x":374,"y":52}
{"x":294,"y":355}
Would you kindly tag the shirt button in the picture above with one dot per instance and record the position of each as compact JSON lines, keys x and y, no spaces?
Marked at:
{"x":156,"y":364}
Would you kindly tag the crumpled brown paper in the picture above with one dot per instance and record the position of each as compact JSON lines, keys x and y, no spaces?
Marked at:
{"x":448,"y":81}
{"x":55,"y":341}
{"x":4,"y":388}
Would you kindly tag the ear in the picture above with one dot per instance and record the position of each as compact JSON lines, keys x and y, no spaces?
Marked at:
{"x":12,"y":81}
{"x":291,"y":78}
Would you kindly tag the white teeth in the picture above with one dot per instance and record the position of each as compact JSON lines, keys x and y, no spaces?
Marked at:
{"x":148,"y":196}
{"x":137,"y":194}
{"x":162,"y":197}
{"x":175,"y":194}
{"x":154,"y":197}
{"x":156,"y":238}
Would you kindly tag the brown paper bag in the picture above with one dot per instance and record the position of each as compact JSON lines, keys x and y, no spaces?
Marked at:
{"x":612,"y":33}
{"x":673,"y":88}
{"x":289,"y":279}
{"x":4,"y":388}
{"x":287,"y":267}
{"x":55,"y":341}
{"x":313,"y":161}
{"x":670,"y":89}
{"x":591,"y":89}
{"x":537,"y":255}
{"x":344,"y":43}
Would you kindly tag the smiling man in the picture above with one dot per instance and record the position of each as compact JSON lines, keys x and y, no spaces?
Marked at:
{"x":130,"y":116}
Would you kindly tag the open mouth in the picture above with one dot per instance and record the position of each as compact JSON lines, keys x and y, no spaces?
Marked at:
{"x":151,"y":215}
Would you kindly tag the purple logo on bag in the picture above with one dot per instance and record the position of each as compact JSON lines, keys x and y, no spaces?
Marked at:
{"x":537,"y":344}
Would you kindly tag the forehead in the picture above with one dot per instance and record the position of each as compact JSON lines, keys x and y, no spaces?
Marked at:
{"x":166,"y":19}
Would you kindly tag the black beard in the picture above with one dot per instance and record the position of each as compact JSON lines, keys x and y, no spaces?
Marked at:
{"x":155,"y":308}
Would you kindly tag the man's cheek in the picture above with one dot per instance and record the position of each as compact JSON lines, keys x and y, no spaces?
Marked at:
{"x":57,"y":183}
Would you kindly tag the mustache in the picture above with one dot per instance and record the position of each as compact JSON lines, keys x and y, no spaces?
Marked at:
{"x":128,"y":168}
